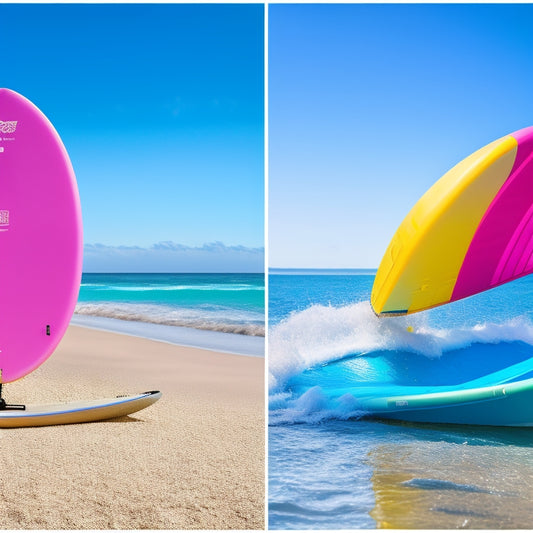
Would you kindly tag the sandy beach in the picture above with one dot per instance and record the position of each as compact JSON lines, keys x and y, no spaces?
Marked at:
{"x":195,"y":459}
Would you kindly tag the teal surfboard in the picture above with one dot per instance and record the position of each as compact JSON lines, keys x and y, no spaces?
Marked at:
{"x":501,"y":398}
{"x":499,"y":405}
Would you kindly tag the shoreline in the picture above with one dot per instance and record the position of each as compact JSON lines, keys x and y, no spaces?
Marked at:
{"x":217,"y":341}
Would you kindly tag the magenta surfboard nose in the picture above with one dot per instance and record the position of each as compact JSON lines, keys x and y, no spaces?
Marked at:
{"x":40,"y":237}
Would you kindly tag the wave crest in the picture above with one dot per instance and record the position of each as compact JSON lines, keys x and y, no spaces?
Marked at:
{"x":148,"y":288}
{"x":321,"y":334}
{"x":173,"y":317}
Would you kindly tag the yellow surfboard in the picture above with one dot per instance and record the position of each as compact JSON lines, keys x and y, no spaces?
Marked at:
{"x":453,"y":240}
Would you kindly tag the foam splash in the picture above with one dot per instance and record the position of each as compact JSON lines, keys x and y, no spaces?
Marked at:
{"x":312,"y":407}
{"x":223,"y":320}
{"x":321,"y":334}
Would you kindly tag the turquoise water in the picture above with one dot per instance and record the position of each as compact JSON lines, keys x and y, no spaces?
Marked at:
{"x":229,"y":303}
{"x":329,"y":468}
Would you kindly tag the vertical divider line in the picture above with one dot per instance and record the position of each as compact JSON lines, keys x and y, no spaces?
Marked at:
{"x":266,"y":245}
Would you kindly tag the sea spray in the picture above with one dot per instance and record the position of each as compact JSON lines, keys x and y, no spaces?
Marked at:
{"x":322,"y":334}
{"x":312,"y":407}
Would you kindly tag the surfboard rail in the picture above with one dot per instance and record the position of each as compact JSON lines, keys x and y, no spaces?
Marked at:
{"x":508,"y":404}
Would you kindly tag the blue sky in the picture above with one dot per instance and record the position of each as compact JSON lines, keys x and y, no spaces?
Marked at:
{"x":370,"y":104}
{"x":161,"y":110}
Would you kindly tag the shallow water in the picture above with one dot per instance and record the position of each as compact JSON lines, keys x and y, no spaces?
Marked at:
{"x":330,"y":469}
{"x":364,"y":474}
{"x":206,"y":340}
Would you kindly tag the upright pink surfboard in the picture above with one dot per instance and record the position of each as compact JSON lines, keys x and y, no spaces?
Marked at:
{"x":40,"y":237}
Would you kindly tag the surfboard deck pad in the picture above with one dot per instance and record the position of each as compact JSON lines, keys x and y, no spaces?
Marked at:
{"x":78,"y":411}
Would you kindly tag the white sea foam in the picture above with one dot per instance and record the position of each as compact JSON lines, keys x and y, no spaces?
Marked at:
{"x":322,"y":334}
{"x":145,"y":288}
{"x":207,"y":340}
{"x":223,"y":320}
{"x":311,"y":407}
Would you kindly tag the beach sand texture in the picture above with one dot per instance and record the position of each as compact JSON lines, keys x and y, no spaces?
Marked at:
{"x":193,"y":460}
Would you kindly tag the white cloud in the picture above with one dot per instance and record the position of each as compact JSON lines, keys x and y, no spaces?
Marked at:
{"x":168,"y":256}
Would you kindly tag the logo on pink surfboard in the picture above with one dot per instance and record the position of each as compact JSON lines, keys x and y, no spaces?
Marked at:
{"x":4,"y":220}
{"x":8,"y":126}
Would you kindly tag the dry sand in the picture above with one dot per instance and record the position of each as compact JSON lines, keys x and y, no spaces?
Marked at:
{"x":195,"y":459}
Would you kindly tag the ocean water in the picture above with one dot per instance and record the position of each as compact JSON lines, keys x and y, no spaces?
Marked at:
{"x":216,"y":311}
{"x":331,"y":468}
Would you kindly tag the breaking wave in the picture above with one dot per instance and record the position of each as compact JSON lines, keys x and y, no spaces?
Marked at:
{"x":147,"y":288}
{"x":307,"y":345}
{"x":223,"y":320}
{"x":322,"y":334}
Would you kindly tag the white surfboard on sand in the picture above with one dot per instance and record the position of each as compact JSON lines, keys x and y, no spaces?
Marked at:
{"x":77,"y":412}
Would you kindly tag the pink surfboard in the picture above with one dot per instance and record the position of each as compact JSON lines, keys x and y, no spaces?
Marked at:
{"x":40,"y":237}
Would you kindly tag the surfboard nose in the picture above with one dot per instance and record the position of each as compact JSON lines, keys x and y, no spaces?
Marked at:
{"x":5,"y":91}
